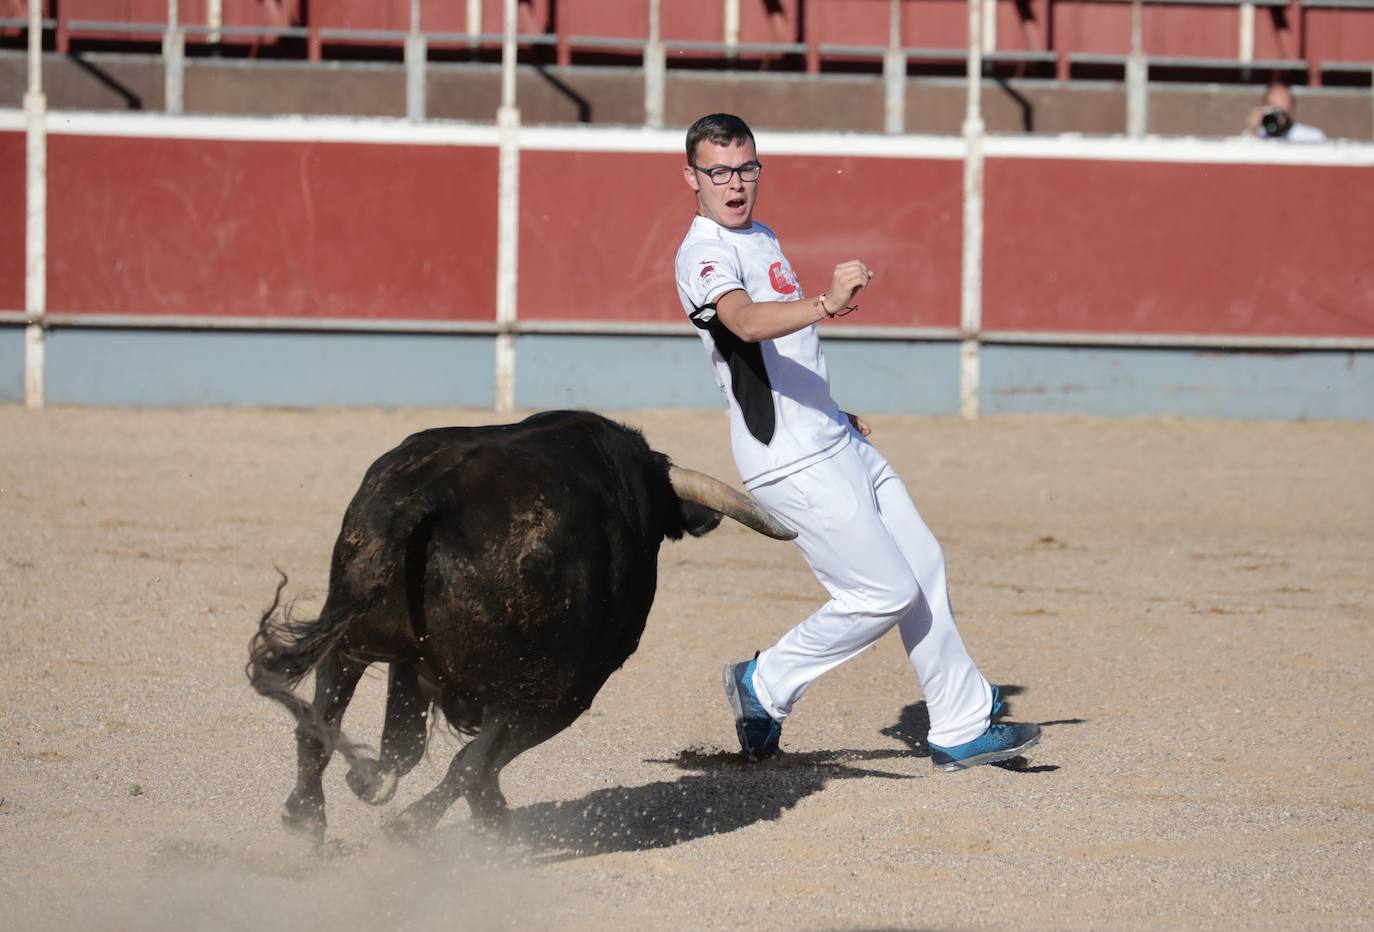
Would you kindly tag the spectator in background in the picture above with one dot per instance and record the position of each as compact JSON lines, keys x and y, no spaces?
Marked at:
{"x":1274,"y":119}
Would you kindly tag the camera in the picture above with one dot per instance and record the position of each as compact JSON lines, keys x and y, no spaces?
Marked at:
{"x":1276,"y":122}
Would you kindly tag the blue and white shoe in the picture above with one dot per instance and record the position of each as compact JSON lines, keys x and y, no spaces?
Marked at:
{"x":1000,"y":742}
{"x":757,"y":730}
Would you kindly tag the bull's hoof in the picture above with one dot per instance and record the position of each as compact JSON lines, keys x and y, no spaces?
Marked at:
{"x":372,"y":784}
{"x":304,"y":818}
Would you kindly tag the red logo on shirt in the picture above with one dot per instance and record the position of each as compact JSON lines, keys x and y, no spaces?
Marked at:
{"x":783,"y":281}
{"x":707,"y":270}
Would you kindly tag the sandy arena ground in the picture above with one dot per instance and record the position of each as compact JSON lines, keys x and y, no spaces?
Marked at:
{"x":1185,"y":606}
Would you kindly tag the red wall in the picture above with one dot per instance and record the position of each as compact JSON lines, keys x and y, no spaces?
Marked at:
{"x":305,"y":230}
{"x":1123,"y":247}
{"x":12,"y":221}
{"x":163,"y":226}
{"x":599,"y":231}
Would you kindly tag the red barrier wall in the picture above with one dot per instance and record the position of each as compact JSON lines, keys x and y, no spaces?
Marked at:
{"x":599,"y":231}
{"x":12,"y":221}
{"x":1105,"y":27}
{"x":165,"y":226}
{"x":1122,"y":247}
{"x":408,"y":232}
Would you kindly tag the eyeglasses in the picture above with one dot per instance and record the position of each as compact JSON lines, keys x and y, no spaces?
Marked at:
{"x":721,"y":174}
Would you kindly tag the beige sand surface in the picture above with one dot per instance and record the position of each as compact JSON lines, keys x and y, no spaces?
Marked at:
{"x":1187,"y":607}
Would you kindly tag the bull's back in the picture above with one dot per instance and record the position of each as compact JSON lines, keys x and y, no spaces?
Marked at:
{"x":531,"y":564}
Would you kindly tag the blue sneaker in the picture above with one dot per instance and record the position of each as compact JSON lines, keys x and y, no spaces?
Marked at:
{"x":758,"y":732}
{"x":1000,"y":742}
{"x":999,"y":708}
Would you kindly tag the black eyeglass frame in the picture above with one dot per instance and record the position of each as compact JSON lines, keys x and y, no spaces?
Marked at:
{"x":755,"y":166}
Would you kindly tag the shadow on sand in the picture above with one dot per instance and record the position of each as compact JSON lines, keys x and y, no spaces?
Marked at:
{"x":913,"y":725}
{"x":721,"y":793}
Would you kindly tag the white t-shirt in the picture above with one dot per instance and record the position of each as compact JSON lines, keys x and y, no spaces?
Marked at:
{"x":1298,"y":132}
{"x":782,"y":417}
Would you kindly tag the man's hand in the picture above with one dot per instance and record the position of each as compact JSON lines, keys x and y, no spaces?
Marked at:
{"x":859,"y":424}
{"x":849,"y":278}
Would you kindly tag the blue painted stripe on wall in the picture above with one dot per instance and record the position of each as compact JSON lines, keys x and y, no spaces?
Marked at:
{"x":625,"y":372}
{"x":11,"y":363}
{"x":897,"y":377}
{"x":1232,"y":384}
{"x":176,"y":368}
{"x":612,"y":373}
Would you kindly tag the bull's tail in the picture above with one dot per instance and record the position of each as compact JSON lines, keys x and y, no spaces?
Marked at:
{"x":284,"y":649}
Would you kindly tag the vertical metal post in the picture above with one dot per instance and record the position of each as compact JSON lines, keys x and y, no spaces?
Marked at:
{"x":416,"y":55}
{"x":732,"y":27}
{"x":214,"y":18}
{"x":989,"y":26}
{"x":507,"y":219}
{"x":655,"y":70}
{"x":474,"y":21}
{"x":971,"y":310}
{"x":1247,"y":31}
{"x":36,"y":219}
{"x":173,"y":62}
{"x":1137,"y":78}
{"x":894,"y":73}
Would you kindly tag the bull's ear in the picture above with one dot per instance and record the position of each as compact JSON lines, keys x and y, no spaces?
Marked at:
{"x":698,"y":519}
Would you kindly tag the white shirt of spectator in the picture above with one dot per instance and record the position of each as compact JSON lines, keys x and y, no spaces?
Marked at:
{"x":1298,"y":132}
{"x":807,"y":423}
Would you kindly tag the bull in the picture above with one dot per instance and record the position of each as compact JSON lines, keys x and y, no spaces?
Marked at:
{"x":504,"y":573}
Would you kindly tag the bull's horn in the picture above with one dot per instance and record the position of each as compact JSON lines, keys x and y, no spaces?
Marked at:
{"x":716,"y":495}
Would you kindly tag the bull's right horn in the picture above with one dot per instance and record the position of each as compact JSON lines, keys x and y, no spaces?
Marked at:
{"x":716,"y":495}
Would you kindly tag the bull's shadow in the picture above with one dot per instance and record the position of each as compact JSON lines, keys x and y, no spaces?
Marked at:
{"x":725,"y":794}
{"x":721,"y":794}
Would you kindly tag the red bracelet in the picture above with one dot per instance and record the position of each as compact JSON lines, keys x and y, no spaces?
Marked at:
{"x":831,"y":315}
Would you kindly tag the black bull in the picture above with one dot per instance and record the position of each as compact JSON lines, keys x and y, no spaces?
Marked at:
{"x":504,"y":573}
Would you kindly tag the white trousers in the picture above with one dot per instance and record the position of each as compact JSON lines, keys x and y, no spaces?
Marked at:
{"x":867,"y":544}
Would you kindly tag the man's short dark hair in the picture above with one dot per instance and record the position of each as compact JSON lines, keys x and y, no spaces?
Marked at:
{"x":720,"y":128}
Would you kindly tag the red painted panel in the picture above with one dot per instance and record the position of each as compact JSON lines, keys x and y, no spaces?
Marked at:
{"x":19,"y":9}
{"x":696,"y":22}
{"x":12,"y":172}
{"x":772,"y":21}
{"x":1117,"y":247}
{"x":943,"y":24}
{"x":1339,"y":35}
{"x":599,"y":18}
{"x":165,"y":226}
{"x":533,"y":16}
{"x":599,"y":232}
{"x":928,"y":24}
{"x":849,"y":22}
{"x":120,"y":11}
{"x":252,"y":13}
{"x":1173,"y":30}
{"x":435,"y":15}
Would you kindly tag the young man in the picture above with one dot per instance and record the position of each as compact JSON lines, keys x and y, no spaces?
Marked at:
{"x":810,"y":465}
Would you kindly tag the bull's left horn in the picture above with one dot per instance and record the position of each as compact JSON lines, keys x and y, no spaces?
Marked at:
{"x":716,"y":495}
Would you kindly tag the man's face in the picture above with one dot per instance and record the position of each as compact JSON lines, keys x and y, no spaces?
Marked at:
{"x":730,"y":204}
{"x":1280,"y":98}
